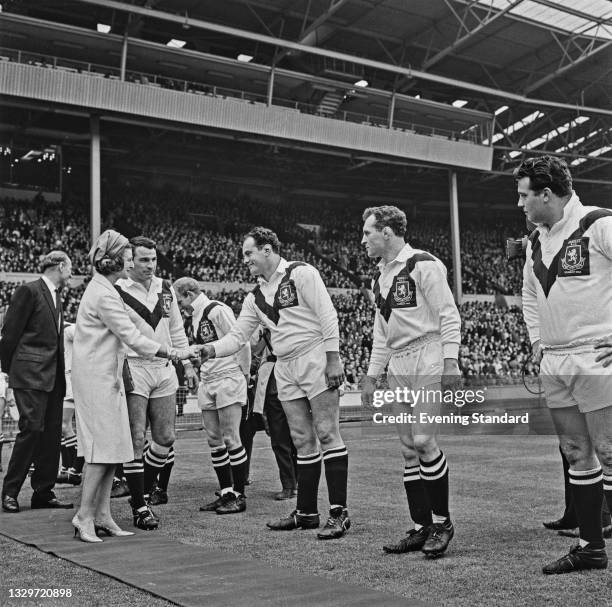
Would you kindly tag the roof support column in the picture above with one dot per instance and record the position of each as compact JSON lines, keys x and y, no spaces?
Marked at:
{"x":391,"y":111}
{"x":271,"y":85}
{"x":124,"y":48}
{"x":455,"y":243}
{"x":94,"y":203}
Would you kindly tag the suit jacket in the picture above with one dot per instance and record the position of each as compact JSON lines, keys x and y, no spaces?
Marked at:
{"x":32,"y":344}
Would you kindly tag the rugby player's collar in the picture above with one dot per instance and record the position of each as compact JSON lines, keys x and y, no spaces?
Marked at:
{"x":281,"y":268}
{"x":402,"y":257}
{"x":199,"y":303}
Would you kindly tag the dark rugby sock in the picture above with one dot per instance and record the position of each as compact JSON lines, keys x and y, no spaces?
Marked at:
{"x":239,"y":463}
{"x":418,"y":500}
{"x":308,"y":475}
{"x":221,"y":464}
{"x":336,"y":474}
{"x":587,"y":489}
{"x":435,"y":477}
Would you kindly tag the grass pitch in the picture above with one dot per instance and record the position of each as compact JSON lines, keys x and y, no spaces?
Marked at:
{"x":502,"y":488}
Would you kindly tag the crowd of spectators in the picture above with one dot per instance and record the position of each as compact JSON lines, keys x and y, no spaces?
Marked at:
{"x":28,"y":232}
{"x":202,"y":238}
{"x":494,"y":343}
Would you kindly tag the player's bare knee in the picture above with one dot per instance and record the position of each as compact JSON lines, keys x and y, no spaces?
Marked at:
{"x":604,"y":455}
{"x":138,"y":442}
{"x":328,"y":434}
{"x":305,"y":443}
{"x":231,"y":439}
{"x":425,"y":445}
{"x":164,"y":437}
{"x":215,"y":442}
{"x":410,"y":454}
{"x":579,"y":455}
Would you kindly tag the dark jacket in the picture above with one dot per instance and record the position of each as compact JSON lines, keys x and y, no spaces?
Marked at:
{"x":32,"y":344}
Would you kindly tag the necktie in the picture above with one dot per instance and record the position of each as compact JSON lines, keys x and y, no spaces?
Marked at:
{"x":58,"y":306}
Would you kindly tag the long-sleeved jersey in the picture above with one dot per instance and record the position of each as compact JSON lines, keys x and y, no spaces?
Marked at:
{"x":567,"y":278}
{"x":412,"y":298}
{"x":210,"y":321}
{"x":295,"y":306}
{"x":155,"y":313}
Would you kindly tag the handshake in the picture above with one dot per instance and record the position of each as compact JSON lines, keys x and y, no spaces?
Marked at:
{"x":199,"y":351}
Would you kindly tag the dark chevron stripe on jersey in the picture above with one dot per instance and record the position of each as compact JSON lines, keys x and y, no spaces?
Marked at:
{"x":151,"y":317}
{"x":385,"y":306}
{"x":273,"y":311}
{"x":264,"y":306}
{"x":548,"y":276}
{"x":206,"y":326}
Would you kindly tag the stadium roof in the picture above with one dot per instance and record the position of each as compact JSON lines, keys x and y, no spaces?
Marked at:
{"x":542,"y":68}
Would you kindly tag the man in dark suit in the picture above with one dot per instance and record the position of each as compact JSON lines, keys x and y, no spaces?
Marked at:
{"x":32,"y":353}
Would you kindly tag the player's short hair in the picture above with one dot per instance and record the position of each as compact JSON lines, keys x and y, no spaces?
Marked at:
{"x":143,"y":241}
{"x":546,"y":172}
{"x":53,"y":258}
{"x":263,"y":236}
{"x":186,"y":283}
{"x":111,"y":265}
{"x":388,"y":216}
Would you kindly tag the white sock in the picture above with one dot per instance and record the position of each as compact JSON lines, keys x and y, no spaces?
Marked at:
{"x":583,"y":543}
{"x":418,"y":527}
{"x":227,"y":490}
{"x":436,"y":518}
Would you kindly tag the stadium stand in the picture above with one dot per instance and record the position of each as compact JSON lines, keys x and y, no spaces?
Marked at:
{"x":206,"y":245}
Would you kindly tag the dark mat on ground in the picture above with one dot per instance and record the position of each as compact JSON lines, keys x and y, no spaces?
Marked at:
{"x":187,"y":575}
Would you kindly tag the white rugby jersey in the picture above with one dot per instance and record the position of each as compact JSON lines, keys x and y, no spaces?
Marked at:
{"x":219,"y":322}
{"x":155,"y":313}
{"x":297,"y":310}
{"x":567,"y":278}
{"x":412,"y":298}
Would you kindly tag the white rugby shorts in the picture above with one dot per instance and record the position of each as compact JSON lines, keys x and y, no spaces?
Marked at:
{"x":571,"y":378}
{"x":222,"y":392}
{"x":418,"y":365}
{"x":153,"y":380}
{"x":302,"y":377}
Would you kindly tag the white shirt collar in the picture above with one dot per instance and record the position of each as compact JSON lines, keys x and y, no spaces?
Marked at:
{"x":129,"y":282}
{"x":51,"y":288}
{"x":199,"y":303}
{"x":281,"y":268}
{"x":401,"y":257}
{"x":572,"y":207}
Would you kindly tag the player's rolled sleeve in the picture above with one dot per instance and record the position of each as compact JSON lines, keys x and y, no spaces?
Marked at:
{"x":432,"y":280}
{"x":603,"y":236}
{"x":380,"y":354}
{"x":224,"y":318}
{"x":530,"y":300}
{"x":241,"y":331}
{"x":177,"y":329}
{"x":315,"y":295}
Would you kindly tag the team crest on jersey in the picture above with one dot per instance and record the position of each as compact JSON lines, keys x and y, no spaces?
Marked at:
{"x":287,"y":295}
{"x":403,"y":294}
{"x":575,"y":258}
{"x":166,"y":301}
{"x":206,"y":332}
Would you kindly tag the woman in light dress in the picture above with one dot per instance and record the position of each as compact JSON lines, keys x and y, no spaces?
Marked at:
{"x":103,"y":329}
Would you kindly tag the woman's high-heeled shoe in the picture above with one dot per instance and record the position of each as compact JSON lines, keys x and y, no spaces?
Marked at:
{"x":83,"y":535}
{"x":100,"y":528}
